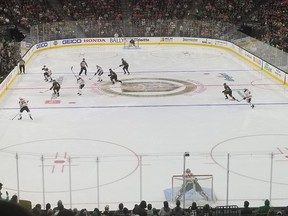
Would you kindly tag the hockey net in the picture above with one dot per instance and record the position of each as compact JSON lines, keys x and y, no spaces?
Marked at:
{"x":131,"y":43}
{"x":197,"y":188}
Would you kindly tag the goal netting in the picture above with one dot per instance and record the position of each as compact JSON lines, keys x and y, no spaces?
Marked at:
{"x":131,"y":43}
{"x":197,"y":187}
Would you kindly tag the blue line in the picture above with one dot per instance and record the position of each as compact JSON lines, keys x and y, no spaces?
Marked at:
{"x":147,"y":106}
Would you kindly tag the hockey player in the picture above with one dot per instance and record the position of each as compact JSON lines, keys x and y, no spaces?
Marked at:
{"x":83,"y":66}
{"x":191,"y":183}
{"x":125,"y":66}
{"x":47,"y":74}
{"x":113,"y":77}
{"x":248,"y":97}
{"x":56,"y":87}
{"x":81,"y":84}
{"x":227,"y":91}
{"x":99,"y":73}
{"x":132,"y":42}
{"x":22,"y":66}
{"x":24,"y":107}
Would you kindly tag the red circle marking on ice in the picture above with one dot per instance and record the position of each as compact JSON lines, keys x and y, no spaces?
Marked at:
{"x":59,"y":161}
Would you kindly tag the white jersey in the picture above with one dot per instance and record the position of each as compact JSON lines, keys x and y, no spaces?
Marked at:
{"x":99,"y":71}
{"x":23,"y":103}
{"x":247,"y":94}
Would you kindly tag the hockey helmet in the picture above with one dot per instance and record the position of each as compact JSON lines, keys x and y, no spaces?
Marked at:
{"x":20,"y":98}
{"x":224,"y":84}
{"x":188,"y":171}
{"x":83,"y":59}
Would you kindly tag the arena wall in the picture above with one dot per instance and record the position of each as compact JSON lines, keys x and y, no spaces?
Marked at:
{"x":257,"y":62}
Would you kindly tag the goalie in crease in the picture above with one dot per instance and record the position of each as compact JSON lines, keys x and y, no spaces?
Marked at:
{"x":191,"y":183}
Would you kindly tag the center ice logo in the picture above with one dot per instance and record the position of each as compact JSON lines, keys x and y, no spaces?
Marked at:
{"x":150,"y":87}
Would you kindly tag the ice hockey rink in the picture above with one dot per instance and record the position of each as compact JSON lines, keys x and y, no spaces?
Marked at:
{"x":123,"y":143}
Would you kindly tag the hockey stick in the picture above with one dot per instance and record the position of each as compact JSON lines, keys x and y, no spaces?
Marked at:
{"x":15,"y":116}
{"x":45,"y":91}
{"x":92,"y":77}
{"x":240,"y":99}
{"x":73,"y":72}
{"x":116,"y":68}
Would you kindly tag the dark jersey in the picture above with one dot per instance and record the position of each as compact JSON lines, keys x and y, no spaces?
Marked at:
{"x":55,"y":85}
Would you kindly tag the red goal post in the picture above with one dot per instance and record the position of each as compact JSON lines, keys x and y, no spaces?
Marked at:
{"x":204,"y":180}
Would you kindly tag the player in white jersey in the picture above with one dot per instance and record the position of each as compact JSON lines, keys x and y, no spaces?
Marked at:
{"x":83,"y":66}
{"x":248,"y":97}
{"x":191,"y":182}
{"x":81,"y":84}
{"x":24,"y":107}
{"x":99,"y":73}
{"x":47,"y":74}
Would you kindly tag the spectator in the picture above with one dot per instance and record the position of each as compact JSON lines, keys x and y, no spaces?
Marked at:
{"x":140,"y":209}
{"x":177,"y":211}
{"x":193,"y":209}
{"x":61,"y":211}
{"x":96,"y":212}
{"x":119,"y":212}
{"x":246,"y":210}
{"x":7,"y":195}
{"x":155,"y":212}
{"x":14,"y":199}
{"x":126,"y":212}
{"x":165,"y":210}
{"x":149,"y":210}
{"x":106,"y":211}
{"x":84,"y":212}
{"x":36,"y":211}
{"x":263,"y":210}
{"x":207,"y":210}
{"x":47,"y":207}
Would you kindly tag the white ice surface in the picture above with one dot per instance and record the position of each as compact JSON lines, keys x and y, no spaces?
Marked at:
{"x":135,"y":144}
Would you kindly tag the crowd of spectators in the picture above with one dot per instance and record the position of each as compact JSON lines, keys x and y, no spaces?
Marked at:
{"x":271,"y":21}
{"x":105,"y":18}
{"x":141,"y":209}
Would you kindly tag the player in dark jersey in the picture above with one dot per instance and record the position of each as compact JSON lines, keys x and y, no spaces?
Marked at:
{"x":113,"y":76}
{"x":132,"y":42}
{"x":125,"y":66}
{"x":56,"y":87}
{"x":24,"y":107}
{"x":227,"y":91}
